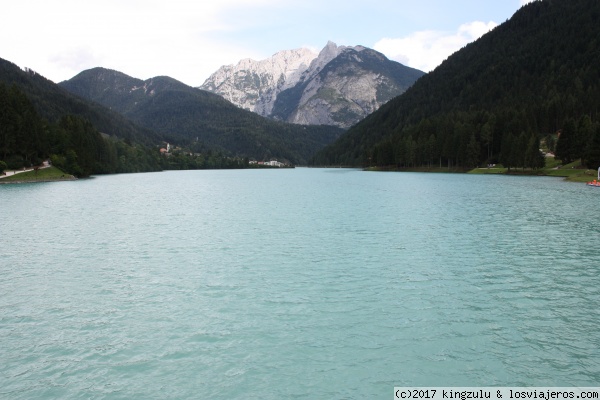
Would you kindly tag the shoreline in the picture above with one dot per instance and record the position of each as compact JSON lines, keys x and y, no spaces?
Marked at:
{"x":65,"y":179}
{"x":570,"y":174}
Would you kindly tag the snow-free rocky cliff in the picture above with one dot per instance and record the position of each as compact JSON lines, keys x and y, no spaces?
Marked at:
{"x":339,"y":86}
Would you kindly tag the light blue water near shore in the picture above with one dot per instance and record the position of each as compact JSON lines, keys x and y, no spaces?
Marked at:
{"x":304,"y":283}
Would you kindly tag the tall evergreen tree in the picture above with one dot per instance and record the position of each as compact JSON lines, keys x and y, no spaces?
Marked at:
{"x":472,"y":153}
{"x":585,"y":132}
{"x":565,"y":146}
{"x":506,"y":155}
{"x":592,"y":153}
{"x":535,"y":159}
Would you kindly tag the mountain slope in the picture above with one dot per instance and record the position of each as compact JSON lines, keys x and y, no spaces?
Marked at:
{"x":53,"y":102}
{"x":171,"y":107}
{"x":254,"y":85}
{"x":40,"y":120}
{"x":494,"y":99}
{"x":339,"y":86}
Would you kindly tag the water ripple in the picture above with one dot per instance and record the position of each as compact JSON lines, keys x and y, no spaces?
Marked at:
{"x":297,"y":283}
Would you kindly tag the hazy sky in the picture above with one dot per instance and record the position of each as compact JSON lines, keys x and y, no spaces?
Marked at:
{"x":189,"y":40}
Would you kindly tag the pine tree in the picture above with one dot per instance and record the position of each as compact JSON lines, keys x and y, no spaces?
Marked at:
{"x":472,"y":152}
{"x":585,"y":132}
{"x":565,"y":145}
{"x":592,"y":154}
{"x":506,"y":155}
{"x":534,"y":159}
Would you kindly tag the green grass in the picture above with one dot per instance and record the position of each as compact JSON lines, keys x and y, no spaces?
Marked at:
{"x":572,"y":172}
{"x":46,"y":174}
{"x":576,"y":175}
{"x":552,"y":162}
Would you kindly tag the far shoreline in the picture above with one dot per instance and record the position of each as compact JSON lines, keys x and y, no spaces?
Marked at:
{"x":572,"y":172}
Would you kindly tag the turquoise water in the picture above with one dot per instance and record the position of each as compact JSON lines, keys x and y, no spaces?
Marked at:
{"x":303,"y":283}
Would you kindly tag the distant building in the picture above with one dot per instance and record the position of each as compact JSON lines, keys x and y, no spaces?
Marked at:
{"x":166,"y":150}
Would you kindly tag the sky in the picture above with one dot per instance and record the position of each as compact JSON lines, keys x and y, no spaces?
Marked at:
{"x":189,"y":40}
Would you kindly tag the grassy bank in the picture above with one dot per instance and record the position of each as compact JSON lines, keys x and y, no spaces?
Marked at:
{"x":49,"y":174}
{"x":573,"y":172}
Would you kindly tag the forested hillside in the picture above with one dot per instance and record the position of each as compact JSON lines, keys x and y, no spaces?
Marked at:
{"x":532,"y":79}
{"x":173,"y":108}
{"x":72,"y":143}
{"x":53,"y":102}
{"x":39,"y":120}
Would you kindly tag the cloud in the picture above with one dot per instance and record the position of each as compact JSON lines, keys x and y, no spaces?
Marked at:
{"x":425,"y":50}
{"x":523,"y":2}
{"x":76,"y":59}
{"x":142,"y":38}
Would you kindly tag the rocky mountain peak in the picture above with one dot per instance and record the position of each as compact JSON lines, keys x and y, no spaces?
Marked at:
{"x":254,"y":85}
{"x":338,"y":86}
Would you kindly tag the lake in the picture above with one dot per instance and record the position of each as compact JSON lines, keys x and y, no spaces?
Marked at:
{"x":296,"y":283}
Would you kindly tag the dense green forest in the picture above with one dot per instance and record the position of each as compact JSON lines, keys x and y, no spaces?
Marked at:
{"x":40,"y":120}
{"x":72,"y":143}
{"x":75,"y":146}
{"x":533,"y":79}
{"x":53,"y":102}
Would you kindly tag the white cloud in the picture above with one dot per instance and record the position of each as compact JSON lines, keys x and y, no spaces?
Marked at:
{"x":523,"y":2}
{"x":425,"y":50}
{"x":140,"y":38}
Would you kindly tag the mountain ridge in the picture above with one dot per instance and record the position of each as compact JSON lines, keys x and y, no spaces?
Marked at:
{"x":280,"y":72}
{"x":41,"y":121}
{"x":39,"y":90}
{"x":338,"y":86}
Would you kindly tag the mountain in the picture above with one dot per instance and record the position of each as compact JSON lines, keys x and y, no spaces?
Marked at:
{"x":254,"y":85}
{"x":339,"y":86}
{"x":53,"y":102}
{"x":495,"y":100}
{"x":40,"y":120}
{"x":173,"y":108}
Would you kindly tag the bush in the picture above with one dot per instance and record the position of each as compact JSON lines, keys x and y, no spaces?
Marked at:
{"x":58,"y":161}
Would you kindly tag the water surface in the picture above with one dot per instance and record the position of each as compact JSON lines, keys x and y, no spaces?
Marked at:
{"x":303,"y":283}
